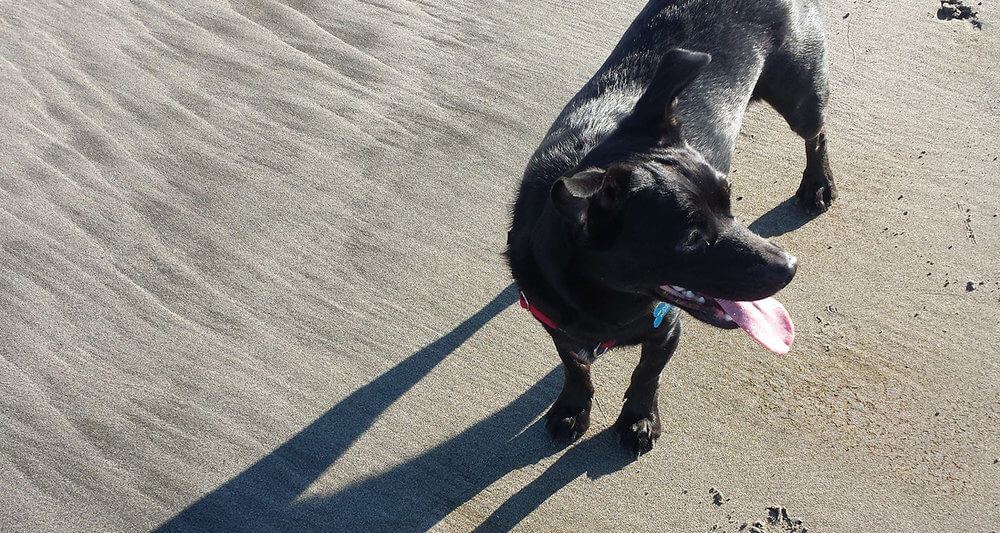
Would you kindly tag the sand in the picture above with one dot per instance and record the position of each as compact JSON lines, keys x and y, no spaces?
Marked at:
{"x":251,"y":278}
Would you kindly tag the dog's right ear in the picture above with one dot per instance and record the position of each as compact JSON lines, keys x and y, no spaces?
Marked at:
{"x":677,"y":69}
{"x":591,"y":199}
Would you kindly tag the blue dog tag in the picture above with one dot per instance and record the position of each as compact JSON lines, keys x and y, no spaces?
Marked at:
{"x":659,"y":312}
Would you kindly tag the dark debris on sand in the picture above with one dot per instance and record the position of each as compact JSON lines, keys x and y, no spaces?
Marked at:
{"x":956,"y":9}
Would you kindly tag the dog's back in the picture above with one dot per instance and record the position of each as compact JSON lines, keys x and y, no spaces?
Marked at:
{"x":744,"y":37}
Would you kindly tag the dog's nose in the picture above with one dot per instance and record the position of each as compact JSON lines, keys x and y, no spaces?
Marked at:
{"x":791,"y":265}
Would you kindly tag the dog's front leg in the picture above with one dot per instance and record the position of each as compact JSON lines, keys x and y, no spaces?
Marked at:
{"x":639,"y":423}
{"x":569,"y":416}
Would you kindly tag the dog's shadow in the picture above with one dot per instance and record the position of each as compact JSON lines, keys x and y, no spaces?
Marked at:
{"x":783,"y":218}
{"x":420,"y":492}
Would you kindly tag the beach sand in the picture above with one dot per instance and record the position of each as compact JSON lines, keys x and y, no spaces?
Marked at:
{"x":252,"y":278}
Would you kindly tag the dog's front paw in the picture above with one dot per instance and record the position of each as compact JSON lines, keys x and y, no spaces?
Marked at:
{"x":638,"y":429}
{"x":568,"y":419}
{"x":816,"y":194}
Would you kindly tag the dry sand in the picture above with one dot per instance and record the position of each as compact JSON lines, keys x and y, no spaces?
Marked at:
{"x":251,"y":278}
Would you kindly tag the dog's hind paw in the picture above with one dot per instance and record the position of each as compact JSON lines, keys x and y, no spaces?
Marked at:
{"x":567,"y":420}
{"x":638,"y":433}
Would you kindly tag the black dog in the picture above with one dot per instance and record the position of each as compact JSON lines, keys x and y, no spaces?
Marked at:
{"x":623,"y":217}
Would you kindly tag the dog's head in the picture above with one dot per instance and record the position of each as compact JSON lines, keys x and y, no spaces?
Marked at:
{"x":650,"y":215}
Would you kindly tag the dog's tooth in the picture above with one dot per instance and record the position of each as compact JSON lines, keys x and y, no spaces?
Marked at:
{"x":701,"y":299}
{"x":677,"y":288}
{"x":689,"y":294}
{"x":729,"y":318}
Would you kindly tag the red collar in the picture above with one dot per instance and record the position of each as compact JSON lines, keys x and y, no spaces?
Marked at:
{"x":544,"y":319}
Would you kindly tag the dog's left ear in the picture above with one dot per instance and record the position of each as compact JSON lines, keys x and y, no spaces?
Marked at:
{"x":656,"y":106}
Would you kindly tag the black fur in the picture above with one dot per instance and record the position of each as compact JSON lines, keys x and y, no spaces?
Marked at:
{"x":627,"y":191}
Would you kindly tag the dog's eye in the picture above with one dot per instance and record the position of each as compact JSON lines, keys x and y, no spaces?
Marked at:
{"x":693,"y":242}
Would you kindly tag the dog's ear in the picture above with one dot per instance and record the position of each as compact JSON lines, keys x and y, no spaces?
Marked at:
{"x":571,"y":194}
{"x":677,"y":69}
{"x":591,"y":200}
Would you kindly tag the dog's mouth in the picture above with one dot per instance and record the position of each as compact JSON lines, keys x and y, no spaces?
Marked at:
{"x":765,"y":320}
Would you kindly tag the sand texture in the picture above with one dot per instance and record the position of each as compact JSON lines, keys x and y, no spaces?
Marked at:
{"x":251,"y":279}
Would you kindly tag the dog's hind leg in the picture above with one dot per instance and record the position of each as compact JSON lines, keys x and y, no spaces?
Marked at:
{"x":639,"y":422}
{"x":794,"y":83}
{"x":817,"y":190}
{"x":569,"y":416}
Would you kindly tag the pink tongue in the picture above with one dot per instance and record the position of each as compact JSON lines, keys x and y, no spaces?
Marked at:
{"x":766,"y":321}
